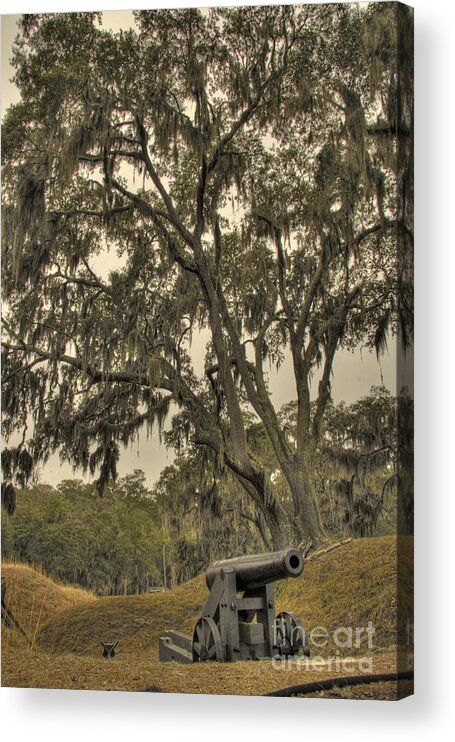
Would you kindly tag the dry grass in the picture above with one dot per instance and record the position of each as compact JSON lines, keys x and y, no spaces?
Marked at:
{"x":144,"y":673}
{"x":346,"y":587}
{"x":352,"y":585}
{"x":137,"y":621}
{"x":34,"y":598}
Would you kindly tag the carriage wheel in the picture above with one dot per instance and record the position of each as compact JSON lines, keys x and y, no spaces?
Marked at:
{"x":207,"y":641}
{"x":290,"y":636}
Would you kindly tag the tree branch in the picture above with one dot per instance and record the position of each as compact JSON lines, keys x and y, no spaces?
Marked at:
{"x":184,"y":261}
{"x":173,"y":216}
{"x":199,"y":228}
{"x":243,"y":119}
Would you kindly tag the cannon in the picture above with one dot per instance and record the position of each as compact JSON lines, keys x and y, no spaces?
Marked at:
{"x":239,"y":621}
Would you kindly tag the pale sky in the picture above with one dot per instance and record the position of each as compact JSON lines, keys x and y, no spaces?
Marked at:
{"x":354,"y":373}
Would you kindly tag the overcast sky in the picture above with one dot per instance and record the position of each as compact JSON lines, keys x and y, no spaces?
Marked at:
{"x":354,"y":373}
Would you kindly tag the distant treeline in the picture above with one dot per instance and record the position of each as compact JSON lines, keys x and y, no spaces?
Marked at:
{"x":111,"y":545}
{"x":124,"y":542}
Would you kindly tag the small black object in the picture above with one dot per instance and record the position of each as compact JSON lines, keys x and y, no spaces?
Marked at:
{"x":109,"y":649}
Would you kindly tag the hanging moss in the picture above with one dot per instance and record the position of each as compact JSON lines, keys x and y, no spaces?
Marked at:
{"x":17,"y":463}
{"x":8,"y":497}
{"x":29,"y":211}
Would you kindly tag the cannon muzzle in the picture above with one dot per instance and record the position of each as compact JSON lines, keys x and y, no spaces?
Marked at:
{"x":257,"y":570}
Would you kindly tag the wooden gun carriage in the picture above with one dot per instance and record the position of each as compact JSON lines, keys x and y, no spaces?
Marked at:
{"x":238,"y":620}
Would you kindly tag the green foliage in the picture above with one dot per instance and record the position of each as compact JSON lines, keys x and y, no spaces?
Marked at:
{"x":206,"y":516}
{"x":361,"y":464}
{"x":110,"y":546}
{"x":360,"y":471}
{"x":7,"y":538}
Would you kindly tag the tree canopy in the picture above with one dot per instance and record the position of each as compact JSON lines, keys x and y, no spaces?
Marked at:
{"x":236,"y":170}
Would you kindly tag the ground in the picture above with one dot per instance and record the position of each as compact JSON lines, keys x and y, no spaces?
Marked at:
{"x":343,"y":589}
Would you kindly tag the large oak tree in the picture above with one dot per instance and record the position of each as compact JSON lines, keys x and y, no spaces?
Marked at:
{"x":237,"y":170}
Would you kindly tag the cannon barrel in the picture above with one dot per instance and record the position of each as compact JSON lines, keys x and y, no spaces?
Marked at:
{"x":256,"y":570}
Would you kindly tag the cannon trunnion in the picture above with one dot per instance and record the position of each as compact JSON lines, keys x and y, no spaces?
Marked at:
{"x":239,"y":620}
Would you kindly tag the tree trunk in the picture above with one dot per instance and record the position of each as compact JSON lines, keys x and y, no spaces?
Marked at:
{"x":306,"y":508}
{"x":276,"y":530}
{"x":259,"y":521}
{"x":287,"y":528}
{"x":282,"y":526}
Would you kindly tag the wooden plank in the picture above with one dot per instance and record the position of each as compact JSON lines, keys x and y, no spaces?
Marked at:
{"x":214,"y":598}
{"x":250,"y":604}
